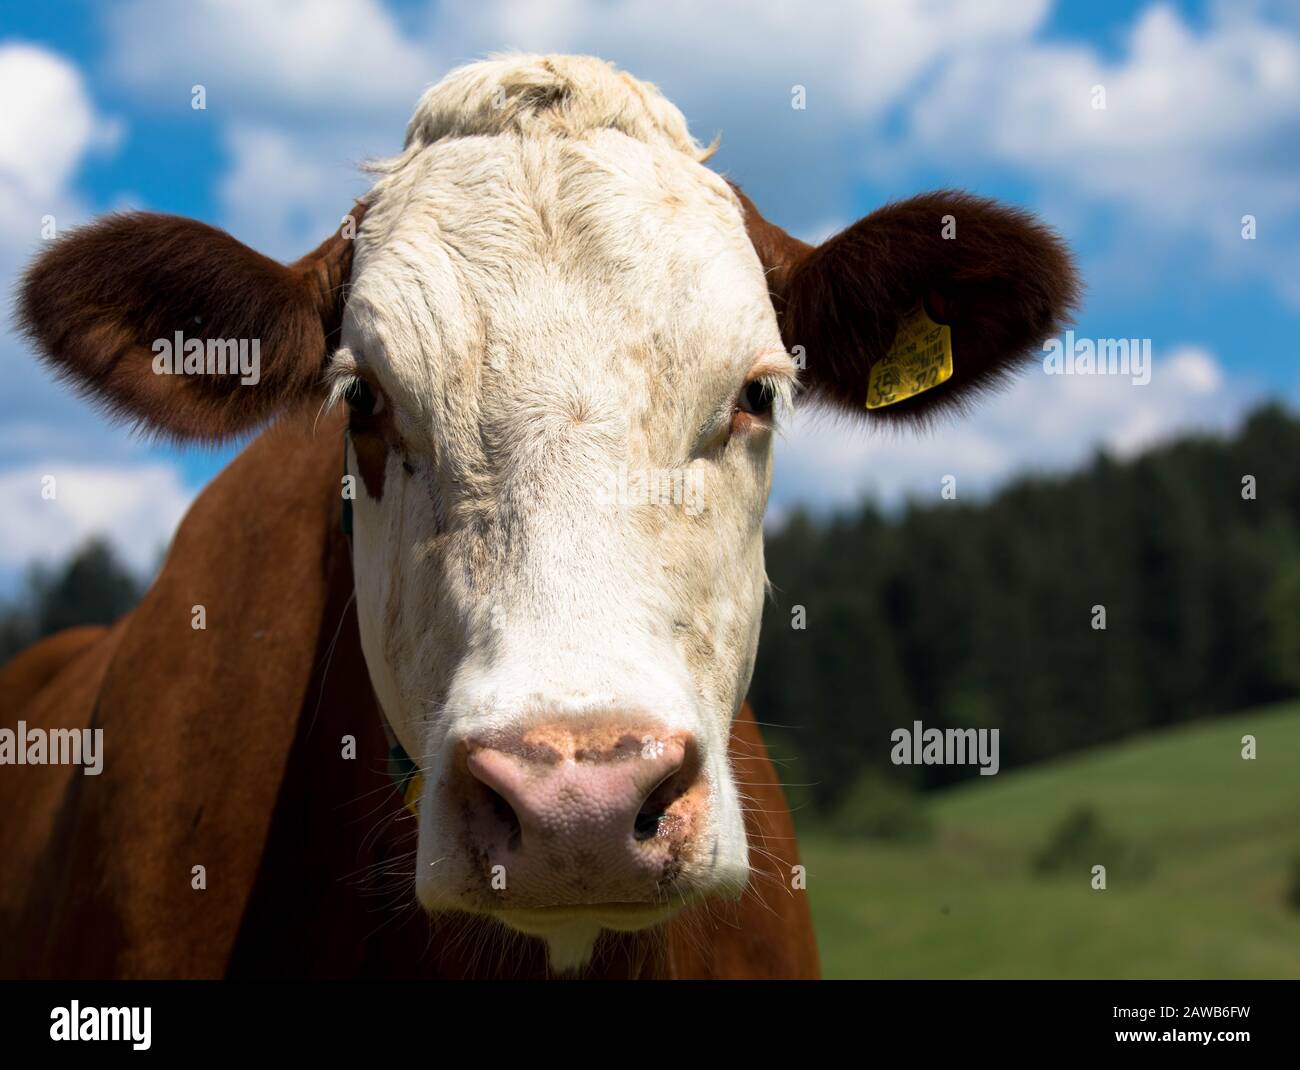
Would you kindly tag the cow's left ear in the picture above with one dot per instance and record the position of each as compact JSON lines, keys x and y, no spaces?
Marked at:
{"x":872,"y":298}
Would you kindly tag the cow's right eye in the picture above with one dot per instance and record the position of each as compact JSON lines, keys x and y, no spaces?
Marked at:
{"x":363,"y":399}
{"x":757,"y":397}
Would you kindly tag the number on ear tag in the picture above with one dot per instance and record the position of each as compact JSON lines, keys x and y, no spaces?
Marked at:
{"x":919,"y":360}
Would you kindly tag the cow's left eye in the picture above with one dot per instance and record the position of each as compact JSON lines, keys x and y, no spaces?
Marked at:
{"x":757,"y":398}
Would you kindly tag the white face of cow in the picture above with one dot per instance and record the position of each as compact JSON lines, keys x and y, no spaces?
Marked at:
{"x":570,"y":354}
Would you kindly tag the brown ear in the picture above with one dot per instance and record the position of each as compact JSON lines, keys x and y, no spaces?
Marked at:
{"x":112,"y":296}
{"x":1001,"y":280}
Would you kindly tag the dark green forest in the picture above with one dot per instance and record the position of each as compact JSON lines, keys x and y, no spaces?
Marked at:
{"x":91,"y":587}
{"x":982,"y":614}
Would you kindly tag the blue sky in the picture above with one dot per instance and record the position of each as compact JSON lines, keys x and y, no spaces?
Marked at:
{"x":1201,"y":127}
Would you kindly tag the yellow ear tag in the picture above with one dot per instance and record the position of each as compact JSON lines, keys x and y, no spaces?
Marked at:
{"x":411,"y":796}
{"x":919,"y":360}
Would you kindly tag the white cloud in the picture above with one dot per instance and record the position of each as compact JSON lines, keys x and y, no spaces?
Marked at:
{"x":44,"y":139}
{"x":137,"y":507}
{"x":307,"y":58}
{"x":284,"y":192}
{"x":858,"y":57}
{"x":1044,"y":423}
{"x":43,"y":143}
{"x":1199,"y":128}
{"x":318,"y":57}
{"x":299,"y":92}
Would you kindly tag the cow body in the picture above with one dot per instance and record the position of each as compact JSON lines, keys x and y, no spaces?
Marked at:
{"x":224,"y":748}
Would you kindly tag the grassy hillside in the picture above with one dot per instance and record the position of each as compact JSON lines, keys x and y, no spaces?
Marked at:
{"x":1201,"y":848}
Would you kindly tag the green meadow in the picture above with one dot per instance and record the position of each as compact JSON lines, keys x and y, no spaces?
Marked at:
{"x":1202,"y":850}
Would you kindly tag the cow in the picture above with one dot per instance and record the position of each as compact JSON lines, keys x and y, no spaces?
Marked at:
{"x":423,"y":688}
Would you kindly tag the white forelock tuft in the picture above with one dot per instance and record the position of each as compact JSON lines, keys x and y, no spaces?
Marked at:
{"x":526,"y":93}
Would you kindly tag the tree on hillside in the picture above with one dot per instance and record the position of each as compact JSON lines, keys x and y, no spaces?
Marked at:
{"x":92,"y":587}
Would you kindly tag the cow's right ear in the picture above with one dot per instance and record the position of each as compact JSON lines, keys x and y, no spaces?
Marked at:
{"x":109,"y":305}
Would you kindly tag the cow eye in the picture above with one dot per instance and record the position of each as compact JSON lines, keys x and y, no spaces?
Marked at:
{"x":363,"y":399}
{"x":757,"y":398}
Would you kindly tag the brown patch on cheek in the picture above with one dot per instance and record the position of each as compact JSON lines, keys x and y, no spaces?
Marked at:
{"x":396,"y":646}
{"x":372,"y":460}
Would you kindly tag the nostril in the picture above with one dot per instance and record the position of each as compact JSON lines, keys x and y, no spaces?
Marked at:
{"x":493,"y":783}
{"x":647,"y":822}
{"x":505,"y":816}
{"x":654,"y":817}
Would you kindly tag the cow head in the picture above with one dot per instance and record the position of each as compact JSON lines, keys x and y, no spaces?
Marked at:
{"x":564,"y":343}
